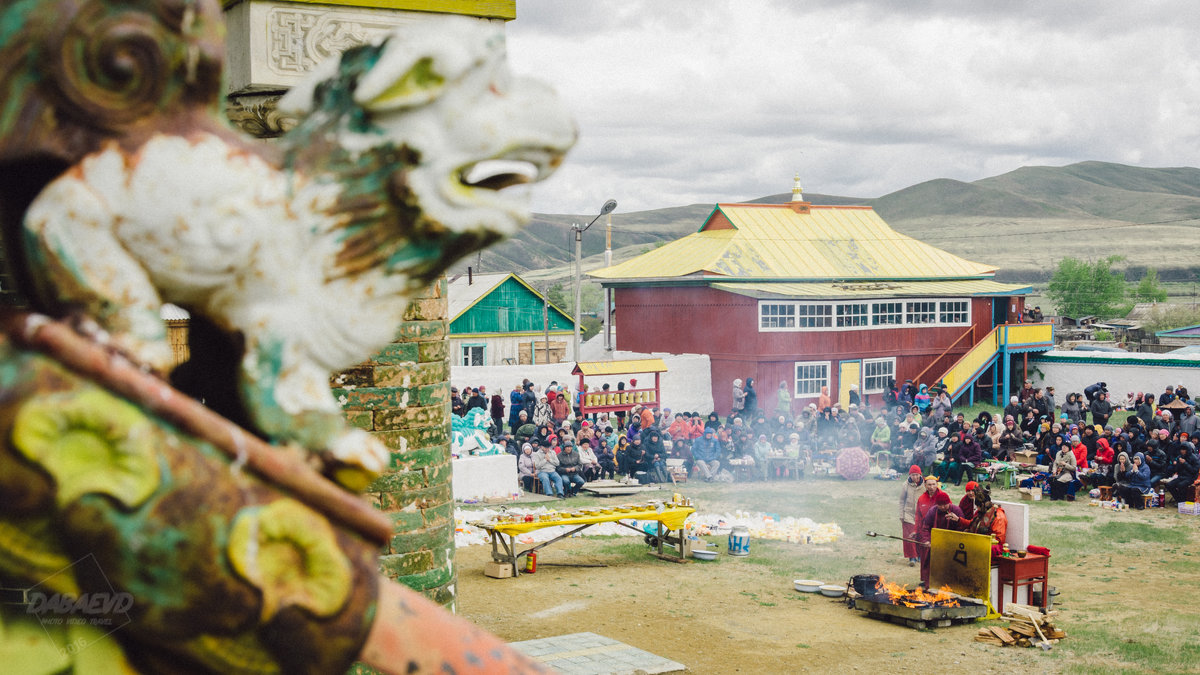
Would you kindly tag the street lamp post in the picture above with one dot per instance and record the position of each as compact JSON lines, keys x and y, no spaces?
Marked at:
{"x":604,"y":210}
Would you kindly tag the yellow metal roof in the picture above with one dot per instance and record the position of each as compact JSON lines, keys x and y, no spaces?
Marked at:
{"x":620,"y":367}
{"x":883,"y":289}
{"x":775,"y":241}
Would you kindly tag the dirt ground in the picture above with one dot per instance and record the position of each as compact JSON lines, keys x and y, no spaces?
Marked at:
{"x":742,"y":614}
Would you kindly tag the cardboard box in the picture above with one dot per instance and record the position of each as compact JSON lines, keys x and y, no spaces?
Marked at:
{"x":497,"y":570}
{"x":1025,"y":456}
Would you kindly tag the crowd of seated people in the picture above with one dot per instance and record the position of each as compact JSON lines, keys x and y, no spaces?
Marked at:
{"x":912,"y":425}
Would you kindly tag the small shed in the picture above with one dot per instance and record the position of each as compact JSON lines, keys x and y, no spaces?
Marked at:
{"x":598,"y":400}
{"x":1180,"y":337}
{"x":500,"y":319}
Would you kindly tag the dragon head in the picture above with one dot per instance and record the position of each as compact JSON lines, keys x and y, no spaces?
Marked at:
{"x":433,"y":112}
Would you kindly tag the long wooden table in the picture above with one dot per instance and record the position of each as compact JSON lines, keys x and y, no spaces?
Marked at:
{"x":670,"y":521}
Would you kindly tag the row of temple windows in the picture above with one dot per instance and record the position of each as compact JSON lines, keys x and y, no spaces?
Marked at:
{"x":786,"y":316}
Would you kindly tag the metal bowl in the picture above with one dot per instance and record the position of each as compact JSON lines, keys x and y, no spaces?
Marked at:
{"x":701,"y":554}
{"x":807,"y":585}
{"x":833,"y":591}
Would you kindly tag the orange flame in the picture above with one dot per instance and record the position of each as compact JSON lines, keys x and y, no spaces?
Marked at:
{"x":902,"y":595}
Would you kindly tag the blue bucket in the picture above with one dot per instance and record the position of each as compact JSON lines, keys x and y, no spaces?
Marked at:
{"x":739,"y":540}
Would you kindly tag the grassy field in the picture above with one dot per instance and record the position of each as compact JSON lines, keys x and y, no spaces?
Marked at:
{"x":1126,"y":580}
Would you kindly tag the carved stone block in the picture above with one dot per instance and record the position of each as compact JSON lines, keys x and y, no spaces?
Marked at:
{"x":272,"y":44}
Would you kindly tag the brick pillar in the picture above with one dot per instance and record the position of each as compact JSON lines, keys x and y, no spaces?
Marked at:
{"x":402,"y":395}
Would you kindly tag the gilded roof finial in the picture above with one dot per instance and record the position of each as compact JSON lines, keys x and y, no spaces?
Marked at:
{"x":797,"y":191}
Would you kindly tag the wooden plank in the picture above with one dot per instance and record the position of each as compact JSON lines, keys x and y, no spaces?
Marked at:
{"x":1004,"y":635}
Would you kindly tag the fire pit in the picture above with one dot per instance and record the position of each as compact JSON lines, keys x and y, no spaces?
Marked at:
{"x":915,"y":608}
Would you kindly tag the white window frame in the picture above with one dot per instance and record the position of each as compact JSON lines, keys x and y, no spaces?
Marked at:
{"x":818,"y":382}
{"x":867,"y":363}
{"x":770,"y":311}
{"x":464,"y":353}
{"x":853,"y":314}
{"x":922,"y":307}
{"x":942,"y":312}
{"x":814,"y":315}
{"x":893,"y":310}
{"x":880,"y":313}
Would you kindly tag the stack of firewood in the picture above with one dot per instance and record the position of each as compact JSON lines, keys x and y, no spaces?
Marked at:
{"x":1027,"y":627}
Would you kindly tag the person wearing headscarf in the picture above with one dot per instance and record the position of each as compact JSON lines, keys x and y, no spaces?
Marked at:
{"x":497,"y":412}
{"x":706,"y":455}
{"x":762,"y":451}
{"x":606,"y":459}
{"x":943,"y":516}
{"x":1145,"y":410}
{"x":942,"y":405}
{"x":1133,"y":479}
{"x":924,"y":450}
{"x":1057,"y":442}
{"x":1102,"y":464}
{"x":989,"y":519}
{"x":588,"y":461}
{"x":527,"y":468}
{"x":922,"y":400}
{"x":910,"y":494}
{"x":542,"y":413}
{"x":514,"y":406}
{"x":1101,"y":409}
{"x":949,"y":467}
{"x":652,"y":443}
{"x":738,"y":404}
{"x":881,"y":437}
{"x":1073,"y":408}
{"x":1063,"y":470}
{"x":967,"y":503}
{"x":1184,"y":468}
{"x":751,"y":403}
{"x":622,"y":455}
{"x":783,"y":400}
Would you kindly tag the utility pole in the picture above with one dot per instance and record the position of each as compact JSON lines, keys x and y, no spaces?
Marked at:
{"x":546,"y":320}
{"x":604,"y":211}
{"x":608,"y":345}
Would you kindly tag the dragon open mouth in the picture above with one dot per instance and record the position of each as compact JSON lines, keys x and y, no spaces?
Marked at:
{"x":515,"y":168}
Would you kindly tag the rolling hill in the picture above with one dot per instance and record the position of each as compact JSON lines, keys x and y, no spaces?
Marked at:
{"x":1022,"y":221}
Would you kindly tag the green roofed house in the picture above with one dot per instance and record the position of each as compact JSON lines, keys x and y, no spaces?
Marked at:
{"x":499,"y":319}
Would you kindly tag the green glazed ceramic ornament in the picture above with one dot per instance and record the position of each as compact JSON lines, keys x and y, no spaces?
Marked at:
{"x":188,"y":541}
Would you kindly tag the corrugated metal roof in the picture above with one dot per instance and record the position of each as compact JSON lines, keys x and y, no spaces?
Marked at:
{"x":620,"y":367}
{"x":462,"y":294}
{"x":884,"y":289}
{"x":775,"y":241}
{"x":1186,"y":331}
{"x":492,"y":296}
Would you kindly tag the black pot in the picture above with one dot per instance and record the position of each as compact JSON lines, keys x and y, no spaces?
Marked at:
{"x":866,"y":585}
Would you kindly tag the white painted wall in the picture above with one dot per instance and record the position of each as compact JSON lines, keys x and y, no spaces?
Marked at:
{"x":1134,"y":373}
{"x":500,"y":348}
{"x":687,"y":384}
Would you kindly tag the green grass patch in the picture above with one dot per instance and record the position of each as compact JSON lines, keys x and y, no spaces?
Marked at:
{"x":1071,"y":519}
{"x":1123,"y":532}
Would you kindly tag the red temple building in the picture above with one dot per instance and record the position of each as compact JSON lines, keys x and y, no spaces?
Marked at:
{"x":821,"y":296}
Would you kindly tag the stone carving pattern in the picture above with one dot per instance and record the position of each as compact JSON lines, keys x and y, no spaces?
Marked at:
{"x":301,"y":39}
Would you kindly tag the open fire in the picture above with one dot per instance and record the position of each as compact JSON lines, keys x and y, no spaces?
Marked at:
{"x":897,"y":594}
{"x":915,"y":607}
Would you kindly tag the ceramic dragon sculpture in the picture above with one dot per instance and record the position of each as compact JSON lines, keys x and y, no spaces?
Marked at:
{"x":121,"y":188}
{"x":310,"y":259}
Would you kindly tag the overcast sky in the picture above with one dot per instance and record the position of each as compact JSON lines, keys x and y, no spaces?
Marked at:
{"x":714,"y":100}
